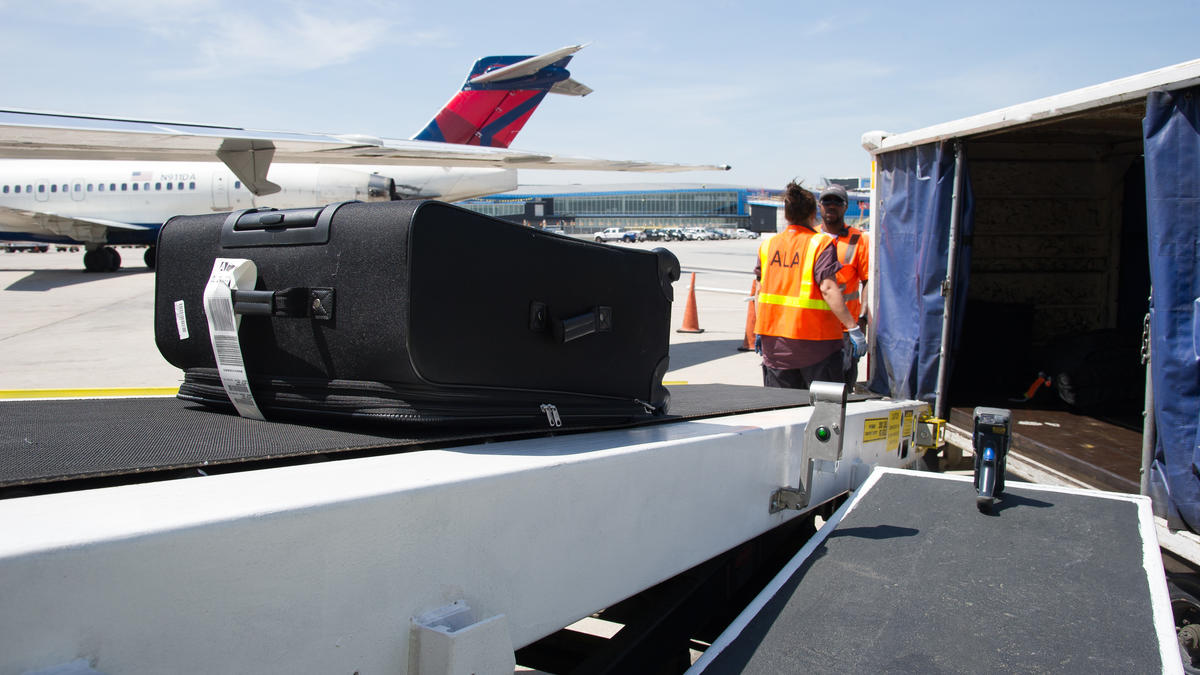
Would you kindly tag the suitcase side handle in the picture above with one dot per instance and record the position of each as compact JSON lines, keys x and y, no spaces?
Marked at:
{"x":598,"y":320}
{"x":298,"y":303}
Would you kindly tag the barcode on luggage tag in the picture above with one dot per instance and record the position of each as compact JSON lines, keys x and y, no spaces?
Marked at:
{"x":228,"y":349}
{"x":181,"y":320}
{"x":220,"y":314}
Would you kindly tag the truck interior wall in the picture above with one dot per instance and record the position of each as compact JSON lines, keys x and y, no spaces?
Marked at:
{"x":1058,"y":278}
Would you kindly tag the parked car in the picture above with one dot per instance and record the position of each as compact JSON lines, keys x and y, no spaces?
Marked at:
{"x":652,"y":234}
{"x":743,"y":233}
{"x":616,"y":234}
{"x":555,"y":230}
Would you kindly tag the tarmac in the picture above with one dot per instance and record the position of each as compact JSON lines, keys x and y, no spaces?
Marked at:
{"x":66,"y":329}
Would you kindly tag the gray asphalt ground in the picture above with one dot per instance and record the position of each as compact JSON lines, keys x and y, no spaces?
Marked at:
{"x":63,"y":328}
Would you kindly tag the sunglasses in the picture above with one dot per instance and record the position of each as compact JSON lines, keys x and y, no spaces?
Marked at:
{"x":833,"y":201}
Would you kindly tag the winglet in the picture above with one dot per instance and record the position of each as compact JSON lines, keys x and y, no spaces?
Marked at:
{"x":500,"y":95}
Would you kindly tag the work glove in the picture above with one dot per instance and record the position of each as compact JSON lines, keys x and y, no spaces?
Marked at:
{"x":858,"y":342}
{"x":758,"y":344}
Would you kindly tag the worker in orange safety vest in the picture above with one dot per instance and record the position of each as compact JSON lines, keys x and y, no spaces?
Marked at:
{"x":801,"y":319}
{"x":852,"y":253}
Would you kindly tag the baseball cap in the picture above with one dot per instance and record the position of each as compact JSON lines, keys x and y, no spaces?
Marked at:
{"x":834,"y":191}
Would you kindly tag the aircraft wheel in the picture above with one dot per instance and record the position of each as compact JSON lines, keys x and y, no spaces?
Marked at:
{"x":114,"y":259}
{"x":95,"y":260}
{"x":149,"y":256}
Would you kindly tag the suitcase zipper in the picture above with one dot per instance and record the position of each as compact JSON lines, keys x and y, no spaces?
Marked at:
{"x":346,"y":399}
{"x":551,"y":413}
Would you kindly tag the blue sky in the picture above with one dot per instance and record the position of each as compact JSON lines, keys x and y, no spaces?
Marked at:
{"x":776,"y":89}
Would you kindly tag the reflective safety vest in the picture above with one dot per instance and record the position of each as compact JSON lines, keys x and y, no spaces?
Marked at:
{"x":789,"y":301}
{"x":847,"y":247}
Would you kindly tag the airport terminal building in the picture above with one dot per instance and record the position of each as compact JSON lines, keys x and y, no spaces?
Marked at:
{"x":585,"y":209}
{"x":580,"y":209}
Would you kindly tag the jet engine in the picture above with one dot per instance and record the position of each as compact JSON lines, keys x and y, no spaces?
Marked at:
{"x":336,"y":184}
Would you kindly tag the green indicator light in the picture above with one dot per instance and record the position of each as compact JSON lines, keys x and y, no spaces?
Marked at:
{"x":822,"y":434}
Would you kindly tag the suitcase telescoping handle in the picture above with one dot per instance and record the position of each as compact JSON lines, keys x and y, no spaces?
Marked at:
{"x":597,"y":320}
{"x":265,"y":226}
{"x":300,"y":303}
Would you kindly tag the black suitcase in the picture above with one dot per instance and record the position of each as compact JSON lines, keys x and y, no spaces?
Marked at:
{"x":417,"y":311}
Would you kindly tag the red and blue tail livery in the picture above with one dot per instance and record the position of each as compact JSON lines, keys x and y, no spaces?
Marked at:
{"x":499,"y":96}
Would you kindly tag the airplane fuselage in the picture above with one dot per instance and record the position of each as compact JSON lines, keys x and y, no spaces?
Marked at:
{"x":119,"y":202}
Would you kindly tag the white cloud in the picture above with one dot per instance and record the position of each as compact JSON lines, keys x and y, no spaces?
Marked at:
{"x":819,"y":26}
{"x":297,"y":43}
{"x":224,"y":37}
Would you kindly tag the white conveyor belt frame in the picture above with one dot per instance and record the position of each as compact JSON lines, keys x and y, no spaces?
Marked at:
{"x":327,"y":567}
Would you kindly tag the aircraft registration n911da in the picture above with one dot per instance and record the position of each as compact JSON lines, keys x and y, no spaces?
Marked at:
{"x":98,"y":181}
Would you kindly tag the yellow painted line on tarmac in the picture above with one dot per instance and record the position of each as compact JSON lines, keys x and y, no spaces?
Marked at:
{"x":88,"y":393}
{"x":675,"y":382}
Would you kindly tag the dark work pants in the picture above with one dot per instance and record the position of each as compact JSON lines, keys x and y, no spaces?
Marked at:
{"x":832,"y":369}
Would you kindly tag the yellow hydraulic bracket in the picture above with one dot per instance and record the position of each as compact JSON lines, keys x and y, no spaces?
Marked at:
{"x":929,"y":431}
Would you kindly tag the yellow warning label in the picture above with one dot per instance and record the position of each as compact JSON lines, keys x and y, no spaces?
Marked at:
{"x":875,"y":430}
{"x":893,"y":429}
{"x":906,"y":432}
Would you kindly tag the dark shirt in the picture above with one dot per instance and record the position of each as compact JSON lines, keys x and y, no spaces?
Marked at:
{"x":784,"y":353}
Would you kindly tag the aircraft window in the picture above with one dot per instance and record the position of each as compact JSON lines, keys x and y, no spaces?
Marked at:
{"x":112,"y":187}
{"x":29,"y":188}
{"x":192,"y":185}
{"x":237,"y":185}
{"x":180,"y":186}
{"x":146,"y":187}
{"x":135,"y":187}
{"x":169,"y":186}
{"x":5,"y":189}
{"x":78,"y":188}
{"x":65,"y":188}
{"x":101,"y":187}
{"x":157,"y":186}
{"x":89,"y":189}
{"x":124,"y":186}
{"x":53,"y":188}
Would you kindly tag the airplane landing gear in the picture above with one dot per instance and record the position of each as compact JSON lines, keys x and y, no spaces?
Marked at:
{"x":102,"y":259}
{"x":150,"y":256}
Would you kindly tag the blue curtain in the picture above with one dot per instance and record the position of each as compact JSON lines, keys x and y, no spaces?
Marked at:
{"x":1171,"y":132}
{"x":914,"y":195}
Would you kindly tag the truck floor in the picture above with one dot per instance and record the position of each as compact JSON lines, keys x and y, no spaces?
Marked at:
{"x":1097,"y":452}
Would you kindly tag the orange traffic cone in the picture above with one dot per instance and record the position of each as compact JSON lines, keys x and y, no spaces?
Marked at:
{"x":691,"y":324}
{"x":748,"y":343}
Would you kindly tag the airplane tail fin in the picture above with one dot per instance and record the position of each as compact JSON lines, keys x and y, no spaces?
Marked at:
{"x":499,"y":96}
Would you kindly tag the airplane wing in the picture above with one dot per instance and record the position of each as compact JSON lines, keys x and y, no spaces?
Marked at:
{"x":52,"y":224}
{"x":26,"y":134}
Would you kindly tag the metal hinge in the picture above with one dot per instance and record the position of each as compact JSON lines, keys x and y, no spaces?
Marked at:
{"x":788,"y":498}
{"x":551,"y":413}
{"x":1146,"y":338}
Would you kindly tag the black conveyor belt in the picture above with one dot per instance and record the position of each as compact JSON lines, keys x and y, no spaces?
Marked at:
{"x":51,"y":441}
{"x":914,"y":579}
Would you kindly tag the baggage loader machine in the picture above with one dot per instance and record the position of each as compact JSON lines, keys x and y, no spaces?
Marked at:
{"x":431,"y":561}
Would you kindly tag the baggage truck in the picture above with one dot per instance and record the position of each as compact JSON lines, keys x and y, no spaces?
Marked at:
{"x":1042,"y":258}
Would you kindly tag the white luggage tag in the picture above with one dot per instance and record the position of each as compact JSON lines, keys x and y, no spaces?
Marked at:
{"x":228,"y":275}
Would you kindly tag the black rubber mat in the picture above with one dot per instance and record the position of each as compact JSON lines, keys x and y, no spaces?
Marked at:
{"x":916,"y":580}
{"x":67,"y":440}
